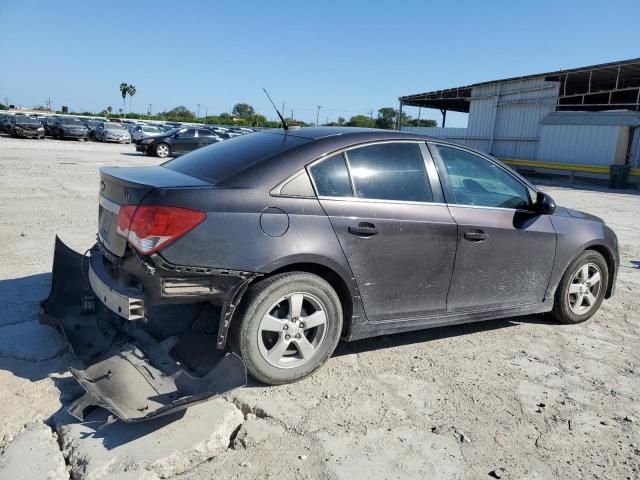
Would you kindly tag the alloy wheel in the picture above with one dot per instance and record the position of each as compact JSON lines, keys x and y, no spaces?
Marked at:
{"x":162,"y":150}
{"x":292,"y":330}
{"x":584,"y":288}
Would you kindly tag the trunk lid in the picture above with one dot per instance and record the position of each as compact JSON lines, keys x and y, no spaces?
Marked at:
{"x":120,"y":186}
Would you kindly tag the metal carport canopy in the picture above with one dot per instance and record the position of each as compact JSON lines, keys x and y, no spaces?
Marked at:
{"x":590,"y":80}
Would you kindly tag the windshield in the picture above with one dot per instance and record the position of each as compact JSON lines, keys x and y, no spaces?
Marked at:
{"x":151,"y":129}
{"x":221,"y":161}
{"x":113,"y":126}
{"x":70,"y":121}
{"x":24,"y":119}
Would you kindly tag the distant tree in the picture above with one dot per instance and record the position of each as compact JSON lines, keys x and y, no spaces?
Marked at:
{"x":131,"y":90}
{"x":341,"y":121}
{"x":180,"y":114}
{"x":124,"y":90}
{"x":386,"y":118}
{"x":225,"y":119}
{"x":3,"y":106}
{"x":109,"y":110}
{"x":361,"y":121}
{"x":243,"y":110}
{"x":39,"y":107}
{"x":423,"y":122}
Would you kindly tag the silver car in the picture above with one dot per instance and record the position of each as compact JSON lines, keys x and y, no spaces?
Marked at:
{"x":112,"y":132}
{"x":145,"y":131}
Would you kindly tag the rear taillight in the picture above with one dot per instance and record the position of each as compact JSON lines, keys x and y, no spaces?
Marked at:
{"x":148,"y":228}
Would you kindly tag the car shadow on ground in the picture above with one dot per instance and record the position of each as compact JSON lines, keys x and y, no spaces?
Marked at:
{"x":434,"y":334}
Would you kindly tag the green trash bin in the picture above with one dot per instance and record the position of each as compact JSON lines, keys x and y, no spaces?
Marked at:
{"x":618,"y":175}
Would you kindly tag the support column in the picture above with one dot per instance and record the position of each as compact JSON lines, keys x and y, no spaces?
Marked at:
{"x":443,"y":111}
{"x":399,"y":122}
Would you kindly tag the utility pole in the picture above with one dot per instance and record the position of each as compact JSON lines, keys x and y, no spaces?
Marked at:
{"x":150,"y":111}
{"x":371,"y":114}
{"x":283,"y":112}
{"x":198,"y":116}
{"x":318,"y":114}
{"x":419,"y":109}
{"x":49,"y":102}
{"x":292,"y":114}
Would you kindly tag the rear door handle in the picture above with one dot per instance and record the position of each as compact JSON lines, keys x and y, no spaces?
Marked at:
{"x":364,"y":229}
{"x":477,"y":236}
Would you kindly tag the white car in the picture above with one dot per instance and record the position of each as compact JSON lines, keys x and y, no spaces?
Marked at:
{"x":145,"y":131}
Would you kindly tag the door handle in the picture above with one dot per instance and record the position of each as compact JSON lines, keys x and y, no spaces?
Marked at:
{"x":477,"y":236}
{"x":363,"y":229}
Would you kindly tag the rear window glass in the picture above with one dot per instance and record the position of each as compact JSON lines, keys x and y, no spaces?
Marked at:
{"x":223,"y":160}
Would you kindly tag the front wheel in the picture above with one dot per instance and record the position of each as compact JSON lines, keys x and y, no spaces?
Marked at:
{"x":582,"y":288}
{"x":287,"y":328}
{"x":162,"y":150}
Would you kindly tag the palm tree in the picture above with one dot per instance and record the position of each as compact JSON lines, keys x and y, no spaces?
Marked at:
{"x":124,"y":89}
{"x":131,"y":91}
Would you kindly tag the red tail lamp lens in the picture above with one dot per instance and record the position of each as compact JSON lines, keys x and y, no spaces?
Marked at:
{"x":148,"y":228}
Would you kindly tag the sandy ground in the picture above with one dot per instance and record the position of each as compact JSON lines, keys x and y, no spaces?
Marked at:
{"x":521,"y":398}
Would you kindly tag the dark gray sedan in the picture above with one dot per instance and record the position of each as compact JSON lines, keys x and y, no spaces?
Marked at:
{"x":302,"y":238}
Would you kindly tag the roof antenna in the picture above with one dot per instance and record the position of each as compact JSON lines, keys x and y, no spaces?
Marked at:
{"x":284,"y":124}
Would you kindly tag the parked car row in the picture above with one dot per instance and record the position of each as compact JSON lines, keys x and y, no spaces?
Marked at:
{"x":161,"y":139}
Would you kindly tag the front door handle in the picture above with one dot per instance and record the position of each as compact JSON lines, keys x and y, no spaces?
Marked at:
{"x":476,"y":236}
{"x":364,"y":229}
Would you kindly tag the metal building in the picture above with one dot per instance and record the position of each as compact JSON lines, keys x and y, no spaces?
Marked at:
{"x":580,"y":120}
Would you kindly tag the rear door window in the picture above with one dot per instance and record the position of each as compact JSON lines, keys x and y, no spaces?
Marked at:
{"x":331,"y":177}
{"x":390,"y":171}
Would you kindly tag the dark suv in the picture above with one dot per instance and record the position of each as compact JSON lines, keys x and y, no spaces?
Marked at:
{"x":177,"y":141}
{"x":306,"y":237}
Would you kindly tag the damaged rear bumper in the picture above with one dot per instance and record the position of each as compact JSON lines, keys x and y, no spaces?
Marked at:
{"x":126,"y":370}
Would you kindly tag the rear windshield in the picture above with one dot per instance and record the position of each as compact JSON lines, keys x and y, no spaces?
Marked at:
{"x":223,"y":160}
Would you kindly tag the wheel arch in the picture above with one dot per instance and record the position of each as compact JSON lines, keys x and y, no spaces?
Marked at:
{"x":331,"y":276}
{"x":611,"y":264}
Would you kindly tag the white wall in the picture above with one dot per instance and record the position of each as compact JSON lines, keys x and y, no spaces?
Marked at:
{"x":578,"y":144}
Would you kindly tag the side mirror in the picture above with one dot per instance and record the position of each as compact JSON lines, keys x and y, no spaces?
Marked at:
{"x":545,"y":205}
{"x":177,"y":135}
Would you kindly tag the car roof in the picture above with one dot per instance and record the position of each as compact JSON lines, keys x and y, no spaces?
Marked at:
{"x":347,"y":133}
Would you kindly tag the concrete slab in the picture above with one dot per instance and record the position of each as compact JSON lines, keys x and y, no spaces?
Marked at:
{"x":34,"y":454}
{"x":166,"y":446}
{"x":30,"y":341}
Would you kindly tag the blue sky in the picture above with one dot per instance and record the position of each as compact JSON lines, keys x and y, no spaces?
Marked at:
{"x":348,"y":57}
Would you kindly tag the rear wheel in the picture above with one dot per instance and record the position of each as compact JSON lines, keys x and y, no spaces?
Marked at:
{"x":287,"y":328}
{"x":162,"y":150}
{"x":582,"y":288}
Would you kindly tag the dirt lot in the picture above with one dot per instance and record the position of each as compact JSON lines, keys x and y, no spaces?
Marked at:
{"x":522,"y":398}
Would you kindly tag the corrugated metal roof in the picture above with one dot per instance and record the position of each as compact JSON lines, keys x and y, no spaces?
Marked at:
{"x":613,"y":118}
{"x":458,"y":98}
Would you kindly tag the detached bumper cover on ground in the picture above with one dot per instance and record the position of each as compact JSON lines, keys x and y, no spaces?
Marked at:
{"x":127,"y":371}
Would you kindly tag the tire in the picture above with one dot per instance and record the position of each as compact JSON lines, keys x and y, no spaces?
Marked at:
{"x":162,"y":150}
{"x":578,"y":307}
{"x":255,"y":341}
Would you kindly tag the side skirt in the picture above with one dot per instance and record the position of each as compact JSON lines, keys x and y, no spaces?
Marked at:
{"x":374,"y":329}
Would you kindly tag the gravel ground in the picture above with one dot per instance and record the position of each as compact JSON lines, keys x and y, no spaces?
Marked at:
{"x":520,"y":398}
